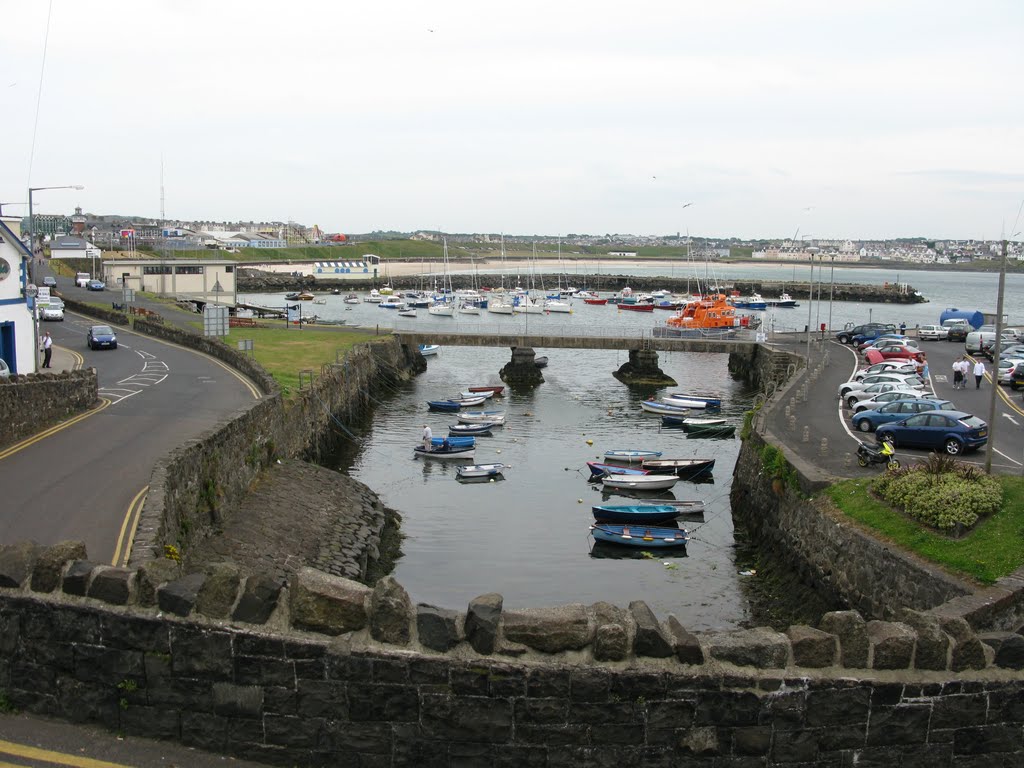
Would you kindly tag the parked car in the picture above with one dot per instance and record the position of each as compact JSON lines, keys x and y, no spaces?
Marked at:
{"x":932,"y":333}
{"x":976,"y":341}
{"x":5,"y":370}
{"x":908,"y":379}
{"x":869,"y":393}
{"x":1017,"y":378}
{"x":950,"y":431}
{"x":886,"y":366}
{"x":885,"y":337}
{"x":873,"y":357}
{"x":870,"y":420}
{"x":957,"y":332}
{"x":95,"y":285}
{"x":846,"y":335}
{"x":51,"y":312}
{"x":897,"y":349}
{"x":878,"y":401}
{"x":1006,"y":368}
{"x":101,"y":337}
{"x":50,"y":281}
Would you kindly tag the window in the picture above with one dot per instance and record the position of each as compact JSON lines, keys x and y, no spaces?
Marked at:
{"x":161,"y":270}
{"x":189,"y":270}
{"x":229,"y":269}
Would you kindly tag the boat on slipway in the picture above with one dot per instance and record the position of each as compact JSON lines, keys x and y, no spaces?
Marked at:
{"x":643,"y":536}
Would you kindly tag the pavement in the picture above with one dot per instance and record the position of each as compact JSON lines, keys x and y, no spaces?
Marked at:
{"x":811,"y":422}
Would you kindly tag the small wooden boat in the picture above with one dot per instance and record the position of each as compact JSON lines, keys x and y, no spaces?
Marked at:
{"x":468,"y":402}
{"x":655,"y":406}
{"x":407,"y":313}
{"x":636,"y":307}
{"x":429,"y":349}
{"x":646,"y":537}
{"x":693,"y":401}
{"x":449,"y":406}
{"x":596,"y":302}
{"x":634,"y":513}
{"x":462,"y":441}
{"x":649,"y":482}
{"x":631,"y":457}
{"x":484,"y":428}
{"x":496,"y":390}
{"x":719,"y":430}
{"x":541,"y":362}
{"x":696,"y":423}
{"x":684,"y":468}
{"x":496,"y":418}
{"x":459,"y":452}
{"x":601,"y":470}
{"x":470,"y":394}
{"x":481,"y":470}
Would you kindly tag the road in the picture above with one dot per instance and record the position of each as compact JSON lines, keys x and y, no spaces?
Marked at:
{"x":86,"y":481}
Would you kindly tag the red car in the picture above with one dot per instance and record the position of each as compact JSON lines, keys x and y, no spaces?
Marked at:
{"x":891,"y":352}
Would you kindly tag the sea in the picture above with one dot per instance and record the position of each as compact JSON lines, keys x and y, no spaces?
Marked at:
{"x":526,"y":535}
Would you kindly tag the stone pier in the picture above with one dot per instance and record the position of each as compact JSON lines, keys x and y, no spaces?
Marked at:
{"x":522,"y":370}
{"x":642,"y":368}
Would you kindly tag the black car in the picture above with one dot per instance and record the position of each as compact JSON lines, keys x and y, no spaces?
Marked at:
{"x":874,"y":330}
{"x":1017,"y":378}
{"x":958,"y":332}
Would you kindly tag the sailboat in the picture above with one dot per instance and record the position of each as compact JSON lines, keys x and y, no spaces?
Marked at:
{"x":498,"y":303}
{"x":441,"y":307}
{"x":554,"y":302}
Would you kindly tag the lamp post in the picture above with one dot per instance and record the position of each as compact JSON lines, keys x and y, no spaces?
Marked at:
{"x":31,"y":220}
{"x":810,"y":301}
{"x":831,"y":290}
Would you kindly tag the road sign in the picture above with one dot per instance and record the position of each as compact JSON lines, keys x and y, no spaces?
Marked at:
{"x":215,"y":320}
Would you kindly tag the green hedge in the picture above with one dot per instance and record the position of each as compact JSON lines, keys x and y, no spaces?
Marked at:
{"x":957,"y":495}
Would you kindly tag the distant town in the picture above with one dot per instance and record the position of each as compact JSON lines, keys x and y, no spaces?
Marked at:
{"x":131,"y":233}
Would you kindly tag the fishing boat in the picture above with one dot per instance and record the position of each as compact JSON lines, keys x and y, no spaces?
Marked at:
{"x":541,"y":362}
{"x":496,"y":418}
{"x":597,"y":469}
{"x":392,"y":302}
{"x":481,"y":470}
{"x":429,"y":349}
{"x":656,"y":406}
{"x":706,"y":316}
{"x":692,"y":401}
{"x":646,"y":537}
{"x":595,"y":302}
{"x":299,"y":296}
{"x":754,"y":301}
{"x":684,"y":468}
{"x":483,"y":428}
{"x":717,"y":430}
{"x":650,"y":482}
{"x":631,"y":456}
{"x":458,"y":452}
{"x":351,"y":299}
{"x":645,"y":513}
{"x":645,"y":307}
{"x":496,"y":390}
{"x":454,"y":442}
{"x":407,"y":313}
{"x":373,"y":297}
{"x":785,"y":301}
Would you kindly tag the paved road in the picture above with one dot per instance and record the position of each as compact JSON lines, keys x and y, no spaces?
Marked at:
{"x":826,"y":417}
{"x":87,"y":481}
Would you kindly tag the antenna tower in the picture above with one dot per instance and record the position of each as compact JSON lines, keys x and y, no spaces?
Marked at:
{"x":162,"y":217}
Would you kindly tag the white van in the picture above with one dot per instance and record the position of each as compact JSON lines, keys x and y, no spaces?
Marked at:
{"x":975,"y":339}
{"x":82,"y":278}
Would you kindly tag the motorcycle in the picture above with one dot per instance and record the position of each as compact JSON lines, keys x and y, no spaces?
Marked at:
{"x":881,"y":453}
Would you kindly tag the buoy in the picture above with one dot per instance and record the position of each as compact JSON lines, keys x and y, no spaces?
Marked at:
{"x":590,"y":442}
{"x":491,"y":480}
{"x":498,"y":451}
{"x":579,"y":501}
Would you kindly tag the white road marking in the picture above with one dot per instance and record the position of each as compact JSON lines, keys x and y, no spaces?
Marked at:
{"x":1008,"y":458}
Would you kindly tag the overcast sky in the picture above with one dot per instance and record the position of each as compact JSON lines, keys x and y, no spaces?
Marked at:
{"x":871,"y":119}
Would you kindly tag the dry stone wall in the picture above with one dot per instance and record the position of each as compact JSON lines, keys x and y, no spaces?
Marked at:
{"x":31,"y":402}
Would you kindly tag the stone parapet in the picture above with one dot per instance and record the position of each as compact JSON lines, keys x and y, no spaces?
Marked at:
{"x":31,"y":402}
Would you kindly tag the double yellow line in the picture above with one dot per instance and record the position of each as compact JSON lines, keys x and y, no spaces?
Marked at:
{"x":13,"y":449}
{"x":123,"y":549}
{"x":25,"y":752}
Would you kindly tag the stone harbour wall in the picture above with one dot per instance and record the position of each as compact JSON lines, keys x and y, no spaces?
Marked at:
{"x":32,"y":402}
{"x":324,"y":671}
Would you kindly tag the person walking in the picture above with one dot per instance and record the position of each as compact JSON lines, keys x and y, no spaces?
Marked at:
{"x":47,"y":349}
{"x":958,"y":374}
{"x":979,"y":373}
{"x":428,"y":438}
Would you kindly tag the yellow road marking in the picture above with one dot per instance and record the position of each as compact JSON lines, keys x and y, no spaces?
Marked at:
{"x":130,"y":517}
{"x":28,"y":441}
{"x":57,"y":758}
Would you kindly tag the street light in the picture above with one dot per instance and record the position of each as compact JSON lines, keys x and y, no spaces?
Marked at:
{"x":810,"y":297}
{"x":31,"y":220}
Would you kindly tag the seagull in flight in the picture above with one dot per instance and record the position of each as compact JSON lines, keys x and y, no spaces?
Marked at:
{"x":687,"y":205}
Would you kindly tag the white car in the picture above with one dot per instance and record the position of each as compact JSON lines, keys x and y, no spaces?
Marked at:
{"x":860,"y":395}
{"x":883,"y":399}
{"x":51,"y":312}
{"x":932,"y":333}
{"x":903,"y":379}
{"x":1006,"y":368}
{"x":886,"y":366}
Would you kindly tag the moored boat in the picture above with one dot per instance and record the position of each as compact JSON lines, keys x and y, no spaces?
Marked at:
{"x":645,"y":307}
{"x":634,"y":513}
{"x":496,"y":418}
{"x":481,"y":470}
{"x":483,"y":428}
{"x":649,"y":482}
{"x":351,"y":299}
{"x":299,"y":296}
{"x":595,"y":302}
{"x":631,"y":456}
{"x":467,"y":441}
{"x":443,"y":405}
{"x":495,"y":390}
{"x":597,"y":469}
{"x":692,"y":401}
{"x":707,"y":316}
{"x":407,"y":313}
{"x":696,"y":423}
{"x":541,"y":362}
{"x":785,"y":301}
{"x":684,"y":468}
{"x":459,"y":452}
{"x":429,"y":349}
{"x":654,"y":406}
{"x":486,"y":394}
{"x":647,"y":537}
{"x":714,"y":430}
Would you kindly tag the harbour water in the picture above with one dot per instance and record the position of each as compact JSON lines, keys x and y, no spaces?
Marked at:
{"x":526,"y":536}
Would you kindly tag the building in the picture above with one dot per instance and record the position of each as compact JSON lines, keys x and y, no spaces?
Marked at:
{"x":17,"y":325}
{"x":197,"y":279}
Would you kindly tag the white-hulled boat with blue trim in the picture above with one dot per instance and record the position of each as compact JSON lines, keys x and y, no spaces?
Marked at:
{"x":631,"y":456}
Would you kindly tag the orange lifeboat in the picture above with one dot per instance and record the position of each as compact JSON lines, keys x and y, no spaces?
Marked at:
{"x":708,"y":313}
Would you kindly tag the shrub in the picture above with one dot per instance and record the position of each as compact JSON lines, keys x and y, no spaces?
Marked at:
{"x":941,"y":494}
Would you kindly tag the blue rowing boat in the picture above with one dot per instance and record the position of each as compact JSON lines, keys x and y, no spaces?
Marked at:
{"x":443,"y":405}
{"x":454,"y":441}
{"x":634,"y":457}
{"x":642,"y":536}
{"x":635,"y":513}
{"x":600,"y":470}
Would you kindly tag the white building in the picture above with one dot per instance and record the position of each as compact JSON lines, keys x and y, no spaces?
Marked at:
{"x":17,"y":330}
{"x":200,"y":279}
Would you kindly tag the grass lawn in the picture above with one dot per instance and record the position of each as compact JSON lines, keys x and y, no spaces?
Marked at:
{"x":995,"y":547}
{"x":285,"y":352}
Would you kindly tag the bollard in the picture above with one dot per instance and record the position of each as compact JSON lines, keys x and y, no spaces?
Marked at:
{"x":823,"y":450}
{"x":807,"y":434}
{"x":848,"y":461}
{"x":792,"y":422}
{"x":789,"y":411}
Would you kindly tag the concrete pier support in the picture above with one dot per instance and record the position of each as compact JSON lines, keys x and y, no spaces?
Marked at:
{"x":642,"y":368}
{"x":522,"y":370}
